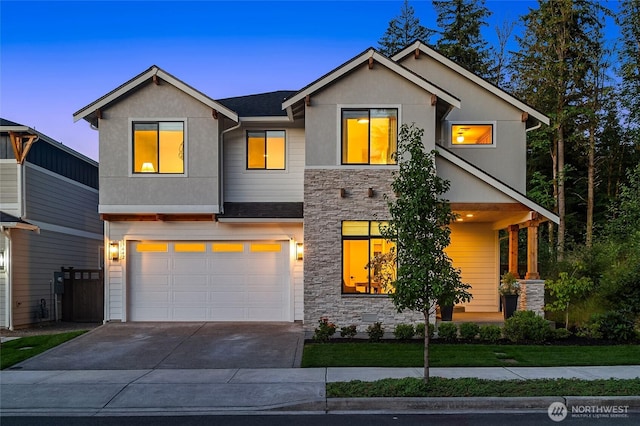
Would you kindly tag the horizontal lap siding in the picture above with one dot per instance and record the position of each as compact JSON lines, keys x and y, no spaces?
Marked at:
{"x":473,"y":249}
{"x":59,"y":202}
{"x":9,"y":188}
{"x":242,"y":185}
{"x":35,"y":257}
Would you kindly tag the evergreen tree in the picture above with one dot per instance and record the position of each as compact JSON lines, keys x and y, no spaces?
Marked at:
{"x":402,"y":31}
{"x":549,"y":71}
{"x":460,"y":39}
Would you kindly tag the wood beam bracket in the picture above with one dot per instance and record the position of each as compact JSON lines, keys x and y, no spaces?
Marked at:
{"x":371,"y":62}
{"x":434,"y":100}
{"x":21,"y":145}
{"x":214,"y":114}
{"x":156,"y":80}
{"x":525,"y":117}
{"x":416,"y":54}
{"x":307,"y":100}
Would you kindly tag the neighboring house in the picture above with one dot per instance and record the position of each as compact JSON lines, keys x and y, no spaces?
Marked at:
{"x":48,"y":220}
{"x":203,"y":199}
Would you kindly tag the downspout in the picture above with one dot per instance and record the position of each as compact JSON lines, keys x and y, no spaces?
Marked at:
{"x":536,"y":127}
{"x":7,"y":270}
{"x":221,"y":162}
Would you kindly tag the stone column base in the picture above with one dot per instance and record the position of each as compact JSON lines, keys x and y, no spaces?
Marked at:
{"x":531,"y":296}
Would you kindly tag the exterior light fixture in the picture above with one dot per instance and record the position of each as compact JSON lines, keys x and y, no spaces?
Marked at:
{"x":114,"y":250}
{"x":299,"y":251}
{"x":147,"y":168}
{"x":2,"y":261}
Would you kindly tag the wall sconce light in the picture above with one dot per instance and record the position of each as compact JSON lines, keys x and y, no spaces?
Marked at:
{"x":343,"y":193}
{"x":370,"y":192}
{"x":114,"y":250}
{"x":299,"y":251}
{"x":2,"y":261}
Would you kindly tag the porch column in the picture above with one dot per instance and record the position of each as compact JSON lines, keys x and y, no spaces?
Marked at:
{"x":513,"y":249}
{"x":532,"y":250}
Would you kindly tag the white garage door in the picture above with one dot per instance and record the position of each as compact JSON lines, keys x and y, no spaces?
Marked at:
{"x":209,"y":281}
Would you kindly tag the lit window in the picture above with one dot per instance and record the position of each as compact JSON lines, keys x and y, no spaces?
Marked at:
{"x":189,"y":247}
{"x":471,"y":134}
{"x":158,"y":147}
{"x":227,"y":247}
{"x":266,"y":150}
{"x":362,"y":261}
{"x":151,"y":247}
{"x":369,"y":136}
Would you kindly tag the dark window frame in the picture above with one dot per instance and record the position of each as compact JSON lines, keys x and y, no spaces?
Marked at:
{"x":265,"y":138}
{"x":133,"y":146}
{"x":343,"y":141}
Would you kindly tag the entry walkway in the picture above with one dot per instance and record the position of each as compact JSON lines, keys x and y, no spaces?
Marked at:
{"x":170,"y":391}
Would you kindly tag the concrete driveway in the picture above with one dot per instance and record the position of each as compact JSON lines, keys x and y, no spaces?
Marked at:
{"x":186,"y":345}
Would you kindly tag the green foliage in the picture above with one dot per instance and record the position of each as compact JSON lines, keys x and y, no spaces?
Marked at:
{"x":565,"y":291}
{"x":404,"y":331}
{"x":420,"y":227}
{"x":561,"y":334}
{"x":447,"y":331}
{"x":624,"y":214}
{"x":375,"y":332}
{"x":324,"y":330}
{"x":349,"y":331}
{"x":469,"y":330}
{"x":591,"y":330}
{"x":403,"y":30}
{"x":509,"y":285}
{"x":526,"y":326}
{"x":420,"y":330}
{"x":615,"y":325}
{"x":490,"y":333}
{"x":472,"y":387}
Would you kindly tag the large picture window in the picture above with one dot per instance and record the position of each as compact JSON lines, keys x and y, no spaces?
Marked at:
{"x":266,"y":150}
{"x":361,"y":244}
{"x":158,"y":147}
{"x":369,"y":136}
{"x":472,"y":134}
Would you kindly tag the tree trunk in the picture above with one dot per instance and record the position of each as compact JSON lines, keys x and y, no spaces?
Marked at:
{"x":590,"y":186}
{"x":426,"y":346}
{"x":562,"y":226}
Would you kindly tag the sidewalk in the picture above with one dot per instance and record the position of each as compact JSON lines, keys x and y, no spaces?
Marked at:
{"x":180,"y":391}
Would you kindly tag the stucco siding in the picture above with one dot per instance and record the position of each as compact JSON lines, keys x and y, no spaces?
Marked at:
{"x":242,"y":185}
{"x":9,"y":198}
{"x":197,"y":186}
{"x":507,"y":160}
{"x":59,"y":201}
{"x":474,"y":250}
{"x":466,"y":188}
{"x":35,"y":257}
{"x":363,"y":87}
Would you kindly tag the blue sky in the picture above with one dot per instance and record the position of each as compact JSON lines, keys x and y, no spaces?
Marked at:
{"x":58,"y":56}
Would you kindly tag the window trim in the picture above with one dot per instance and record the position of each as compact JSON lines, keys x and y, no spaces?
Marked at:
{"x":246,"y":150}
{"x":367,"y":238}
{"x":449,"y":131}
{"x":340,"y":108}
{"x":185,"y":147}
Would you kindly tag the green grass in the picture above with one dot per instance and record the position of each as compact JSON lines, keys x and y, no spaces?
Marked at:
{"x":439,"y":387}
{"x":391,"y":354}
{"x":15,"y":351}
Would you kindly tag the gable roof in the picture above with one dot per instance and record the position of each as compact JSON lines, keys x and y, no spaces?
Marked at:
{"x":359,"y":60}
{"x":497,"y":184}
{"x":89,"y":112}
{"x":259,"y":105}
{"x":424,"y":48}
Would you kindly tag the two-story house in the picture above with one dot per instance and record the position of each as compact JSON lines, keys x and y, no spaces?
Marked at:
{"x":266,"y":207}
{"x":48,"y":220}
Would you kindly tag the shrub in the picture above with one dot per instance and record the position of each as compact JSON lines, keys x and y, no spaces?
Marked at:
{"x":323,"y":332}
{"x":526,"y":326}
{"x":375,"y":332}
{"x":447,"y":331}
{"x":616,"y":325}
{"x":469,"y":330}
{"x":589,"y":331}
{"x":349,"y":331}
{"x":420,"y":330}
{"x":560,"y":334}
{"x":490,"y":333}
{"x":404,"y":331}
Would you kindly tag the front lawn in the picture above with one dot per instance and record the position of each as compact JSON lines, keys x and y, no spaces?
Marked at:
{"x":393,"y":354}
{"x":470,"y":387}
{"x":15,"y":351}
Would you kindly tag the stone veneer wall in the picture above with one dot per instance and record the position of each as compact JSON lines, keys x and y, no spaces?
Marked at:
{"x":324,"y":211}
{"x":531,"y":296}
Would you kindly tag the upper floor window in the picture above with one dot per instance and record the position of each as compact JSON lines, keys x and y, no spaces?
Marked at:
{"x":369,"y":136}
{"x":266,"y":150}
{"x":158,"y":147}
{"x":472,"y":134}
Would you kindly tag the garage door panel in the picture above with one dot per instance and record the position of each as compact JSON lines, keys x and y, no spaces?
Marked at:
{"x":213,"y":285}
